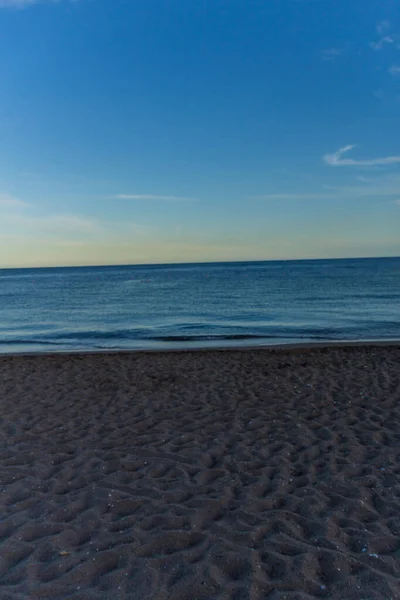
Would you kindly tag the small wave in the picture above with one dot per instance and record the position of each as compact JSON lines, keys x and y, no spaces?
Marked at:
{"x":30,"y":342}
{"x":233,"y":337}
{"x":192,"y":333}
{"x":112,"y":339}
{"x":194,"y":337}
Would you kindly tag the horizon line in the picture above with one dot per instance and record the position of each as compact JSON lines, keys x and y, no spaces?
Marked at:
{"x":208,"y":262}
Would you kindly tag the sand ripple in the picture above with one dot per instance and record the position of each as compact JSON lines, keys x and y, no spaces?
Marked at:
{"x":212,"y":475}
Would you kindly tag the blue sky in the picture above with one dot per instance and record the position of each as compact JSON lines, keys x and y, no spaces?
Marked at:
{"x":141,"y":131}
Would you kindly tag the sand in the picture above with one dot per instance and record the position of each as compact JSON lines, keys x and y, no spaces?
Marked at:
{"x":219,"y":475}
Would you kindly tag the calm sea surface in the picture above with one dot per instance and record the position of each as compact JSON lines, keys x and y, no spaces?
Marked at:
{"x":201,"y":305}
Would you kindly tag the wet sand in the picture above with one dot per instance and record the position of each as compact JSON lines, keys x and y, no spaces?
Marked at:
{"x":214,"y":475}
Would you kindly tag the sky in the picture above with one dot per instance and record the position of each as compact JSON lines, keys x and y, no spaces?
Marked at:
{"x":153,"y":131}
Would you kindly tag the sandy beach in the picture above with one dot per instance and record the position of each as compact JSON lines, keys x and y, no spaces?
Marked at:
{"x":226,"y":475}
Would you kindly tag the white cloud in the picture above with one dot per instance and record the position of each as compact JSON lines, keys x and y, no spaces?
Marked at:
{"x":394,"y":70}
{"x":150,"y":197}
{"x":336,"y":159}
{"x":10,"y":201}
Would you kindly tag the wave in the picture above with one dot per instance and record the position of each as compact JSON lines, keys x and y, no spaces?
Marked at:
{"x":96,"y":340}
{"x":240,"y":336}
{"x":199,"y":332}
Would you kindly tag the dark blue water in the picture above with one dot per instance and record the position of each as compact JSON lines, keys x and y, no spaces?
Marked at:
{"x":202,"y":305}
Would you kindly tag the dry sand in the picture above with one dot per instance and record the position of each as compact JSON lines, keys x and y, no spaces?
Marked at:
{"x":201,"y":475}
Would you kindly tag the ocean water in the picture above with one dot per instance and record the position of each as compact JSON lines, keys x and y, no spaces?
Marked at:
{"x":199,"y":305}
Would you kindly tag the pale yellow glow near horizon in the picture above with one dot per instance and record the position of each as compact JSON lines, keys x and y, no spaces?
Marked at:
{"x":16,"y":253}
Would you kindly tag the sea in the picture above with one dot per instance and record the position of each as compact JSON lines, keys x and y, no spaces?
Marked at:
{"x":199,"y":305}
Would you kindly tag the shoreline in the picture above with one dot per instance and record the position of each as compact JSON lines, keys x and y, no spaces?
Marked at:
{"x":189,"y":350}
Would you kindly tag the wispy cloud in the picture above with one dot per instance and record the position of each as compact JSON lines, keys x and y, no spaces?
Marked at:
{"x":19,"y":216}
{"x":25,"y":3}
{"x":18,"y":219}
{"x":383,"y":26}
{"x":287,"y":197}
{"x":16,"y":3}
{"x":151,"y":197}
{"x":336,"y":159}
{"x":10,"y":201}
{"x":137,"y":229}
{"x":394,"y":70}
{"x":379,"y":94}
{"x":331,"y":53}
{"x":50,"y":224}
{"x":387,"y":39}
{"x":387,"y":187}
{"x":339,"y":193}
{"x":384,"y":186}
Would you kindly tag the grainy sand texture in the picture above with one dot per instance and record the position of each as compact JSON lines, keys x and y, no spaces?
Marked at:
{"x":218,"y":475}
